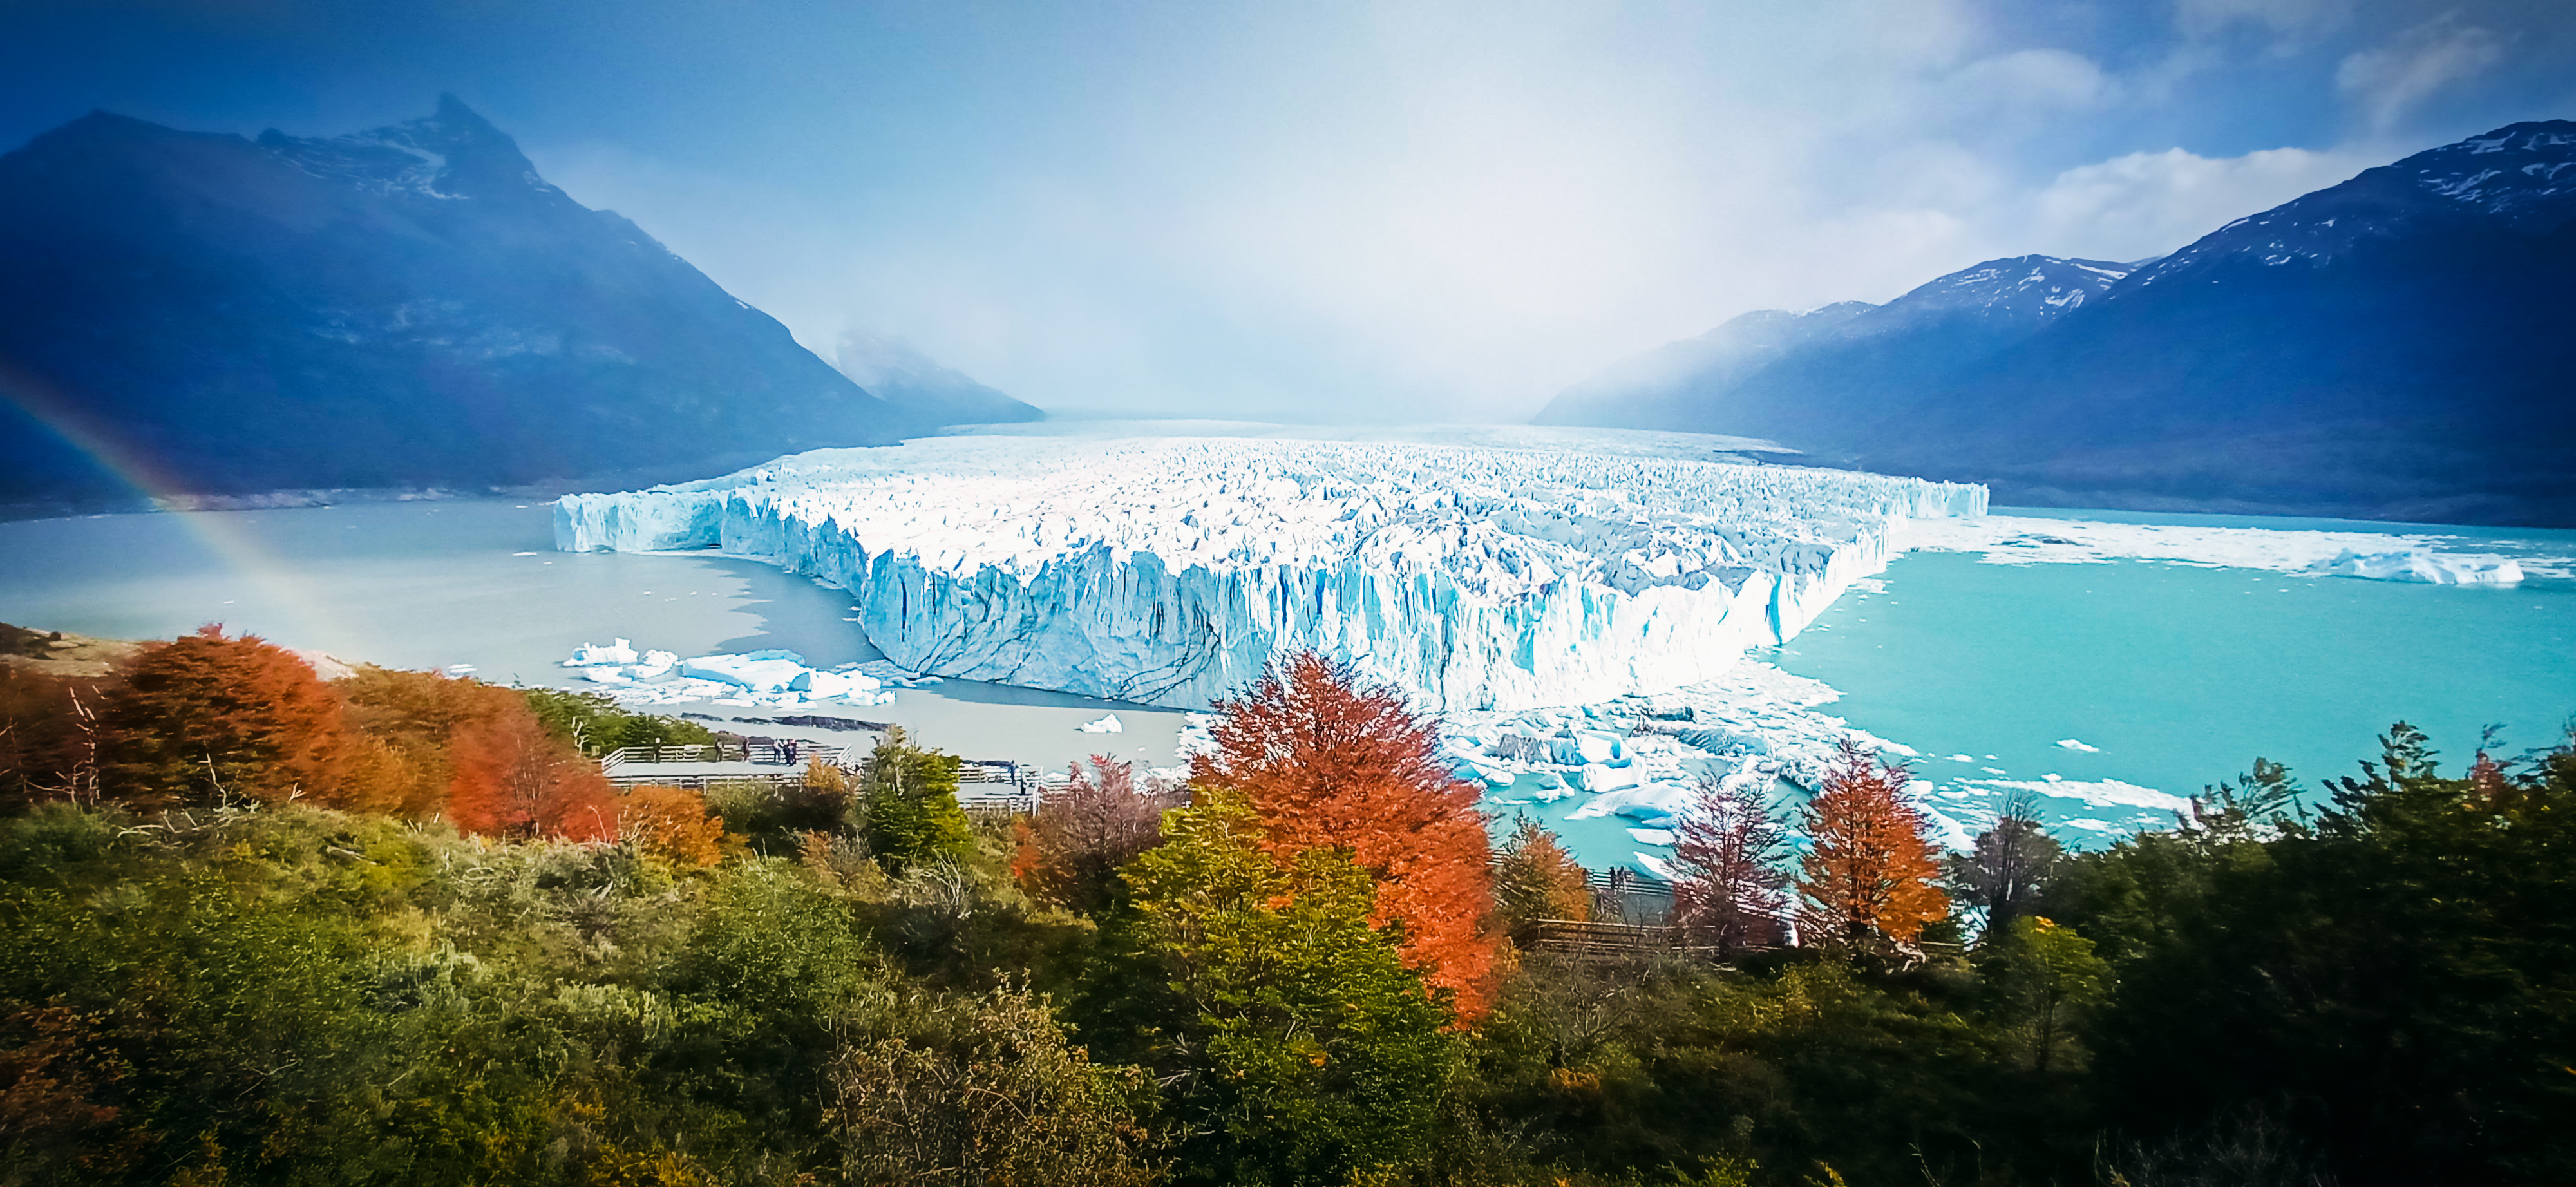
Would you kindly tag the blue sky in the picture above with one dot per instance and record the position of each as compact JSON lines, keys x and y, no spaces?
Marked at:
{"x":1343,"y":211}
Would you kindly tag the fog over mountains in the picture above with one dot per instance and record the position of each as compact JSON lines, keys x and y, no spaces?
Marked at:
{"x":2397,"y":346}
{"x":411,"y":306}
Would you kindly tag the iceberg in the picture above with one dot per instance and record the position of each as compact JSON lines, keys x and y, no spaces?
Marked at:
{"x":587,"y":656}
{"x":1106,"y":725}
{"x":1169,"y":570}
{"x":2415,"y":564}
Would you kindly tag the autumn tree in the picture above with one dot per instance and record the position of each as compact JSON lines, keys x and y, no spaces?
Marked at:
{"x":1727,"y":883}
{"x":204,"y":717}
{"x":514,"y":778}
{"x":48,"y":737}
{"x":2005,"y":869}
{"x":1069,"y":850}
{"x":670,"y":823}
{"x":1325,"y":761}
{"x":1536,"y":879}
{"x":1867,"y":876}
{"x":415,"y":717}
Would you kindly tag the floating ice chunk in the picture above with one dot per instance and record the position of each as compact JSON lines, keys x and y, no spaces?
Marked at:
{"x":1652,"y":836}
{"x":586,"y":656}
{"x":2387,"y":556}
{"x":1597,"y":777}
{"x":1106,"y":725}
{"x":756,"y":671}
{"x":2077,"y":746}
{"x":459,"y":669}
{"x":1597,"y":746}
{"x":2104,"y":793}
{"x":2430,"y":568}
{"x":654,"y":665}
{"x":834,"y":685}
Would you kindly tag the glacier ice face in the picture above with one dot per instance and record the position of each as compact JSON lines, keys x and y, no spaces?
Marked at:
{"x":1169,"y":570}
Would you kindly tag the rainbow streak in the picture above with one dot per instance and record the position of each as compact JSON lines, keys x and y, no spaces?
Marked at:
{"x":222,"y":533}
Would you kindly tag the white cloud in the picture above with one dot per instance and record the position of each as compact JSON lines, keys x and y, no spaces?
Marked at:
{"x":2387,"y":82}
{"x":2145,"y":204}
{"x":2051,"y":79}
{"x":2287,"y":19}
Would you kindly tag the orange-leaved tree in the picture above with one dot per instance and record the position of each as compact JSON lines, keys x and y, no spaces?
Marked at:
{"x":671,"y":823}
{"x":415,"y":716}
{"x":1328,"y":762}
{"x":514,"y":778}
{"x":1867,"y":877}
{"x":204,"y":718}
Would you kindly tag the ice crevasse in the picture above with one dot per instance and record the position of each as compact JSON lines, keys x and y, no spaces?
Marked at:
{"x":1169,"y":570}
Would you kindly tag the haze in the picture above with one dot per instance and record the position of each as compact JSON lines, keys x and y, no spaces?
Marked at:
{"x":1345,"y":211}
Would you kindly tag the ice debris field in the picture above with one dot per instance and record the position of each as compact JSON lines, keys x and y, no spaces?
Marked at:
{"x":1578,"y":612}
{"x":769,"y":678}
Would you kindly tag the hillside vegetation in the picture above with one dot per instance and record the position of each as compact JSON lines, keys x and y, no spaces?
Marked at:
{"x":397,"y":928}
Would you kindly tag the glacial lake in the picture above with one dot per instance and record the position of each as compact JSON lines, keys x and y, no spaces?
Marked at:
{"x":2166,"y":676}
{"x":2174,"y":676}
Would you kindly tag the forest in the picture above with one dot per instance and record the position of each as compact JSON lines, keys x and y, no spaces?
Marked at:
{"x":258,"y":927}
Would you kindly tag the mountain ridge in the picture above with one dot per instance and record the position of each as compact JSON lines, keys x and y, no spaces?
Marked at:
{"x":2408,"y":368}
{"x":410,"y":306}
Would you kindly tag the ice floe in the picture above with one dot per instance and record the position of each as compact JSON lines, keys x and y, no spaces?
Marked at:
{"x":2387,"y":556}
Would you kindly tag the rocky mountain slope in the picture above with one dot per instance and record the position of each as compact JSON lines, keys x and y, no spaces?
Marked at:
{"x":406,"y":307}
{"x":2392,"y":347}
{"x":895,"y":371}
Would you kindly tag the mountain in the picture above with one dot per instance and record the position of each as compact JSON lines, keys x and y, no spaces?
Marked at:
{"x":1793,"y":374}
{"x":407,"y":307}
{"x":894,"y":371}
{"x":2393,"y":347}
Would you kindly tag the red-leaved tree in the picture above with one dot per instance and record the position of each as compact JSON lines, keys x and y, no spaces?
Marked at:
{"x":204,"y":718}
{"x":1727,"y":887}
{"x":1868,"y":874}
{"x":1070,"y":849}
{"x":1326,"y":761}
{"x":512,"y":778}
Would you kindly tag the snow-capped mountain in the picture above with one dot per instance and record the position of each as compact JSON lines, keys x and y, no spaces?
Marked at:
{"x":1763,"y":366}
{"x":409,"y":306}
{"x":895,"y":371}
{"x":2395,"y":346}
{"x":2521,"y":177}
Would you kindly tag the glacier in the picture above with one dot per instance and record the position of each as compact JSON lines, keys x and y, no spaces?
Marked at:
{"x":1169,"y":570}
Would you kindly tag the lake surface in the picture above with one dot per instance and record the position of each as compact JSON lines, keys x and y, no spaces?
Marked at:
{"x":477,"y":582}
{"x":2167,"y":676}
{"x":2174,"y":676}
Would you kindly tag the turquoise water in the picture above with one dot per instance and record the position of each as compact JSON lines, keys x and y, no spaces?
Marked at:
{"x":2176,"y":675}
{"x":2181,"y":675}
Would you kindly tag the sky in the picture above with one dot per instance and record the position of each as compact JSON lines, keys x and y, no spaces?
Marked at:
{"x":1328,"y":211}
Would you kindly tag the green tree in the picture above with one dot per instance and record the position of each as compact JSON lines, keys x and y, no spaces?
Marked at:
{"x":596,"y":724}
{"x":2040,"y":980}
{"x":2405,"y":972}
{"x":911,"y":800}
{"x":1307,"y":1051}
